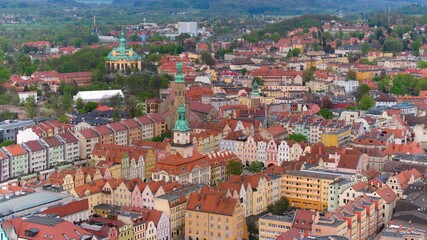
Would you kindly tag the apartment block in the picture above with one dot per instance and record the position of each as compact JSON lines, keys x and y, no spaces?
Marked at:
{"x":307,"y":190}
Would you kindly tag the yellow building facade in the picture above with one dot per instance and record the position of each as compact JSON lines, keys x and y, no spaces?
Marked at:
{"x":307,"y":190}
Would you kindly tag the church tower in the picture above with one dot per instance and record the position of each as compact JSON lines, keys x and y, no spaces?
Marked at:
{"x":181,"y":135}
{"x":255,"y":100}
{"x":179,"y":93}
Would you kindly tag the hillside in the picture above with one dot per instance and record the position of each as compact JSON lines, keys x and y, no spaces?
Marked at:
{"x":281,"y":7}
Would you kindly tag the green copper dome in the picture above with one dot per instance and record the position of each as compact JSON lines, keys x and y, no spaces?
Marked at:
{"x":179,"y":77}
{"x":181,"y":123}
{"x":122,"y":52}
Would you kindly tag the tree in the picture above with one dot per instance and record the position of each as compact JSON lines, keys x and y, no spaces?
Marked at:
{"x":63,"y":119}
{"x":298,"y":137}
{"x":234,"y":167}
{"x":79,"y":104}
{"x":361,"y":91}
{"x":325,"y":113}
{"x":279,"y":207}
{"x":90,"y":106}
{"x":258,"y":80}
{"x":116,"y":115}
{"x":392,"y":45}
{"x":366,"y":102}
{"x":30,"y":107}
{"x":421,"y":64}
{"x":207,"y":59}
{"x":135,"y":38}
{"x":8,"y":115}
{"x":160,"y":138}
{"x":351,"y":75}
{"x":255,"y":166}
{"x":253,"y":231}
{"x":365,"y":48}
{"x":6,"y":143}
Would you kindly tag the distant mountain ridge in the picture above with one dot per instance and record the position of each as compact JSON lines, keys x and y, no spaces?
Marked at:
{"x":269,"y":6}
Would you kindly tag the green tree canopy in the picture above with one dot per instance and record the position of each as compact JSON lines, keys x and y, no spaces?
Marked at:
{"x":30,"y":107}
{"x":279,"y":207}
{"x":234,"y":167}
{"x":90,"y":106}
{"x":325,"y":113}
{"x":366,"y":102}
{"x":6,"y":143}
{"x":207,"y":59}
{"x":255,"y":166}
{"x":421,"y":64}
{"x":361,"y":91}
{"x":298,"y":137}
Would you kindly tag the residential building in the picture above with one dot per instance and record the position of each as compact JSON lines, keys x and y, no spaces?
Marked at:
{"x":385,"y":206}
{"x":147,"y":127}
{"x":213,"y":216}
{"x":106,"y":134}
{"x":18,"y":160}
{"x":159,"y":126}
{"x":120,"y":133}
{"x":87,"y":140}
{"x":306,"y":189}
{"x":399,"y":182}
{"x":271,"y":226}
{"x":9,"y":128}
{"x":37,"y":155}
{"x":336,"y":188}
{"x":337,"y":138}
{"x":395,"y":232}
{"x":188,"y":27}
{"x":173,"y":204}
{"x":71,"y":147}
{"x":4,"y":166}
{"x":55,"y":151}
{"x":134,"y":130}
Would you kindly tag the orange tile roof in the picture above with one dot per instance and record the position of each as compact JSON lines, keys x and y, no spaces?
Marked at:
{"x":16,"y":150}
{"x":210,"y":203}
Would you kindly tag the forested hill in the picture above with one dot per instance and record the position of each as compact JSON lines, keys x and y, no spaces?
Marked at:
{"x":282,"y":7}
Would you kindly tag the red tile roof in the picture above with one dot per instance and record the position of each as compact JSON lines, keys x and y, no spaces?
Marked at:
{"x":52,"y":141}
{"x":144,"y":120}
{"x":131,"y":123}
{"x":34,"y":145}
{"x":88,"y":133}
{"x":103,"y":130}
{"x":117,"y":126}
{"x":68,"y":209}
{"x":69,"y":137}
{"x":303,"y":219}
{"x":48,"y":228}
